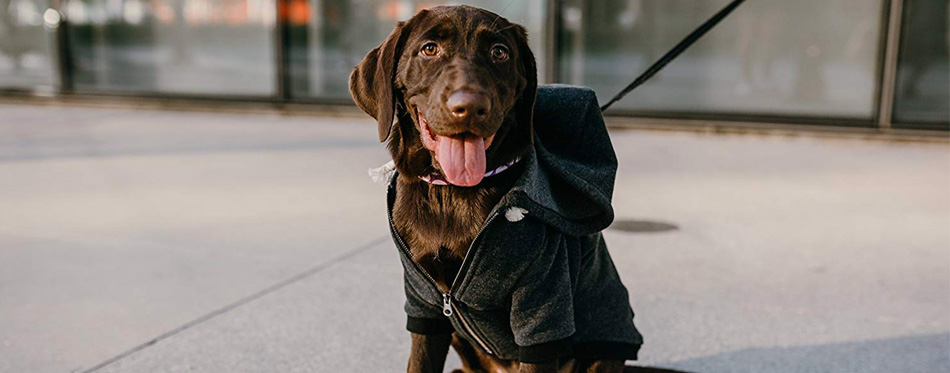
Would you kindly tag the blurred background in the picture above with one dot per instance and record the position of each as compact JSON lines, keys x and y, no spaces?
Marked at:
{"x":183,"y":183}
{"x":865,"y":63}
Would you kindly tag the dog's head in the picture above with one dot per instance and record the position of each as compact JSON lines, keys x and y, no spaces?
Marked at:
{"x":460,"y":83}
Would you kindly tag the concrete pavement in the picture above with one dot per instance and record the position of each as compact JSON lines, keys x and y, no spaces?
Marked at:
{"x":153,"y":241}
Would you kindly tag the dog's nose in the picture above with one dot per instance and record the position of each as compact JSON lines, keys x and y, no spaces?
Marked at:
{"x":465,"y":105}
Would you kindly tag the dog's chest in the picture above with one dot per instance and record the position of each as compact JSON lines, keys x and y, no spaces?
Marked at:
{"x":440,"y":223}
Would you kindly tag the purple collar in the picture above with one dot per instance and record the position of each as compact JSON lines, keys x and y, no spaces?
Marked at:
{"x":436,"y":178}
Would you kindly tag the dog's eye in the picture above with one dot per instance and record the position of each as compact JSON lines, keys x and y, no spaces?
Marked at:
{"x":430,"y":49}
{"x":499,"y":53}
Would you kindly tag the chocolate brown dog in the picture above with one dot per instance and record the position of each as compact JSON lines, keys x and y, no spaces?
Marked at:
{"x":454,"y":91}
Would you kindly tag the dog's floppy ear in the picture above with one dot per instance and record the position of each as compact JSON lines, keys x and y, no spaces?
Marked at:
{"x":525,"y":105}
{"x":371,"y":83}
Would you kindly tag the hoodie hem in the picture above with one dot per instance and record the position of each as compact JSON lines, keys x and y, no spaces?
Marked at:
{"x":423,"y":326}
{"x":544,"y":352}
{"x":607,"y":350}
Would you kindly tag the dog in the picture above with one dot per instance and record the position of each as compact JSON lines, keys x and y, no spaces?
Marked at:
{"x":499,"y":194}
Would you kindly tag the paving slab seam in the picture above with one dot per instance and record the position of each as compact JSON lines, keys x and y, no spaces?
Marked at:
{"x":248,"y":299}
{"x":36,"y":233}
{"x":165,"y":152}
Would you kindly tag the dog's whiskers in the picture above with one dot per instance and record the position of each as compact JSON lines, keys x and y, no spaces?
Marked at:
{"x":497,"y":16}
{"x":506,"y":6}
{"x":504,"y":28}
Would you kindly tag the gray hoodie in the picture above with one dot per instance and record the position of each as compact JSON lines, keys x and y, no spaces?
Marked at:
{"x":538,"y":282}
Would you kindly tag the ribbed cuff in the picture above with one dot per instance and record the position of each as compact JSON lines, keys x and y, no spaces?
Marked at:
{"x":544,"y":352}
{"x":606,"y":350}
{"x":429,"y":326}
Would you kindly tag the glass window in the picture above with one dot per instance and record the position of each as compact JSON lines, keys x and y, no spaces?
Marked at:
{"x":329,"y":37}
{"x":26,"y":60}
{"x":217,"y":47}
{"x":770,"y":57}
{"x":922,"y":94}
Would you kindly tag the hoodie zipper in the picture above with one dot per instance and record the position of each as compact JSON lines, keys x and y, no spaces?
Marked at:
{"x":447,"y":297}
{"x":447,"y":308}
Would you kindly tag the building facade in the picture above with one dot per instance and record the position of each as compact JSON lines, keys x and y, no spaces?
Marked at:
{"x":864,"y":63}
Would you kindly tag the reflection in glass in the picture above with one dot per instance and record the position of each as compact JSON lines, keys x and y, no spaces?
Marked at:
{"x":222,"y":47}
{"x":25,"y":46}
{"x":770,"y":57}
{"x":329,"y":37}
{"x":923,"y":81}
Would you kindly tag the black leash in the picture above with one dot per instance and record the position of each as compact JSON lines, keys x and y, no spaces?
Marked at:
{"x":673,"y":53}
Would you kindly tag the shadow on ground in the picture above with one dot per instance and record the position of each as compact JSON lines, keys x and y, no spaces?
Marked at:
{"x":632,"y":369}
{"x":642,"y":226}
{"x":922,"y":353}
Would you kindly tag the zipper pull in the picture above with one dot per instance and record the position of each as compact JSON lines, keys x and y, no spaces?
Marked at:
{"x":446,"y":304}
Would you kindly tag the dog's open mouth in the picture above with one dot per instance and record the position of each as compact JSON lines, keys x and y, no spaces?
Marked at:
{"x":461,"y":156}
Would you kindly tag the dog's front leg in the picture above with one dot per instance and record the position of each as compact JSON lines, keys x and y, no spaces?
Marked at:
{"x":548,"y":367}
{"x":428,"y":353}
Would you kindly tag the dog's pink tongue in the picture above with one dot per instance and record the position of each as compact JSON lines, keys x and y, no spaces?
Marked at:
{"x":462,"y":159}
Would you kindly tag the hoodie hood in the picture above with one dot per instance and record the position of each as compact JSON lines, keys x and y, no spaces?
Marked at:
{"x":569,"y":173}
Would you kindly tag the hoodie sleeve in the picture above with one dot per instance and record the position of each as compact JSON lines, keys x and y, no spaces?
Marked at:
{"x":424,"y":318}
{"x":542,"y":310}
